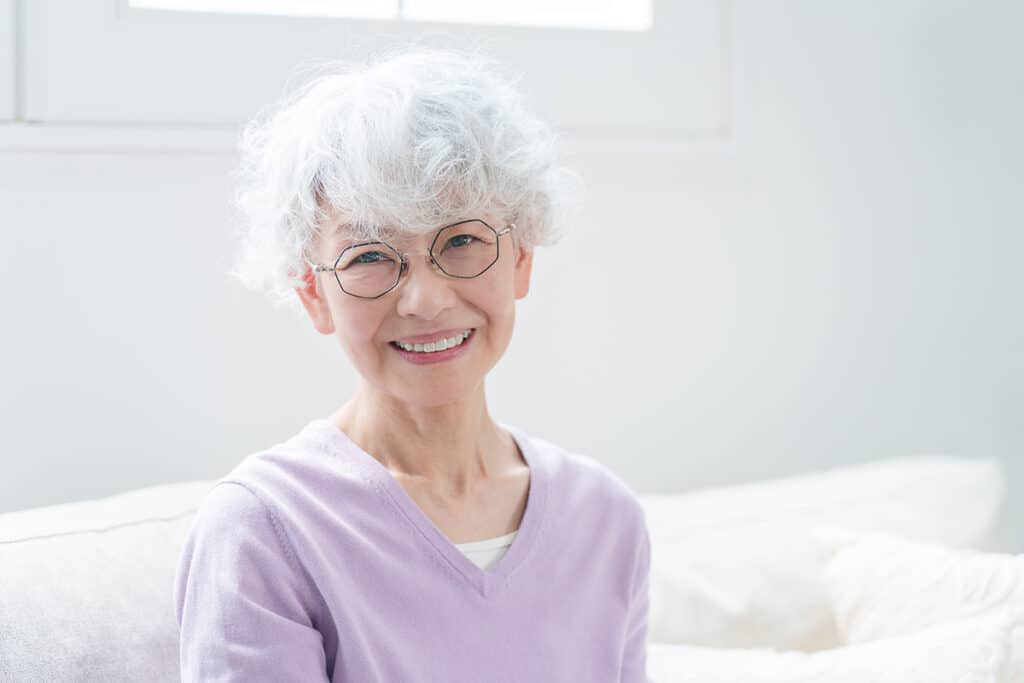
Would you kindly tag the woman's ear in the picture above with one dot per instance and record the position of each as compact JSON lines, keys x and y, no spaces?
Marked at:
{"x":315,"y":303}
{"x":523,"y":269}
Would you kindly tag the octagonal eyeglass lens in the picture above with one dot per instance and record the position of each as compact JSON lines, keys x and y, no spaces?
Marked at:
{"x":368,"y":270}
{"x":465,"y":249}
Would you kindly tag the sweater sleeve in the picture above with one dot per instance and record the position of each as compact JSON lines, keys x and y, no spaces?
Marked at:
{"x":242,"y":608}
{"x":634,"y":659}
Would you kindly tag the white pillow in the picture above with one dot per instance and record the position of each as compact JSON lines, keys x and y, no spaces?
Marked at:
{"x":734,"y":566}
{"x":973,"y":650}
{"x":883,"y":585}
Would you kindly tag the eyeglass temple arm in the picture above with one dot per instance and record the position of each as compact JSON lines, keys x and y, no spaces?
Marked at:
{"x":316,"y":266}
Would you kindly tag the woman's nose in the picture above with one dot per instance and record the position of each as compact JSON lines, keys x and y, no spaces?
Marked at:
{"x":426,"y":291}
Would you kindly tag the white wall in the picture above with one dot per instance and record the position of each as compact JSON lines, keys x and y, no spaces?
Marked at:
{"x":830,"y":276}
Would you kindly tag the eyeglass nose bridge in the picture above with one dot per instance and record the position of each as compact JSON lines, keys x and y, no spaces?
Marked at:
{"x":403,"y":268}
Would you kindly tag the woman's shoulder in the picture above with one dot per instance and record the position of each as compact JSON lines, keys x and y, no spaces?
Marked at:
{"x":272,"y":493}
{"x":233,"y":509}
{"x":282,"y":489}
{"x":578,"y":473}
{"x":297,"y":468}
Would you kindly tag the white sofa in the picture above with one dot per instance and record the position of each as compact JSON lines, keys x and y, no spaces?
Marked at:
{"x":85,"y":588}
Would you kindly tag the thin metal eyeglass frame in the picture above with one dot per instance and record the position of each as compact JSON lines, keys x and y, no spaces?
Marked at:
{"x":404,"y":258}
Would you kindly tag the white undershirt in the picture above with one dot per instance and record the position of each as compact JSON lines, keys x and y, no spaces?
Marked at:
{"x":488,"y":551}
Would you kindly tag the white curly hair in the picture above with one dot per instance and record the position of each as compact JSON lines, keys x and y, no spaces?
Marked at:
{"x":405,"y":142}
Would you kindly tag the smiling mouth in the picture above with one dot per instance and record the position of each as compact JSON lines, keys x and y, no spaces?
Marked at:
{"x":435,"y":346}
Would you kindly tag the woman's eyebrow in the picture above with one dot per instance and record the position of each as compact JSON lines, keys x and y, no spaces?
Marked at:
{"x":348,"y":233}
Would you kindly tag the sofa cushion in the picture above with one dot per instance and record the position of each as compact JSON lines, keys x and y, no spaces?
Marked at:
{"x":973,"y":650}
{"x":734,"y":566}
{"x":87,"y":587}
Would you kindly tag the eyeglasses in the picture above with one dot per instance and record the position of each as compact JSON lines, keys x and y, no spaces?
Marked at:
{"x":370,"y":270}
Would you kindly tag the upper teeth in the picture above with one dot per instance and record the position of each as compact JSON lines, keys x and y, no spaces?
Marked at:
{"x":439,"y":345}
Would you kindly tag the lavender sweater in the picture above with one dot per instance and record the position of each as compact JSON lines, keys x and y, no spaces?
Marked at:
{"x":309,"y":562}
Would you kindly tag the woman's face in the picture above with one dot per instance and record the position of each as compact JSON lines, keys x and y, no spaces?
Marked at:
{"x":425,"y":302}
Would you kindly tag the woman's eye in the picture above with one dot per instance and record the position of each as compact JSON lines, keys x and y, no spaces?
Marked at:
{"x":371,"y":257}
{"x":461,"y":240}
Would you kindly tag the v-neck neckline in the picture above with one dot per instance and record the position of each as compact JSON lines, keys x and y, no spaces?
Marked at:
{"x":488,"y":582}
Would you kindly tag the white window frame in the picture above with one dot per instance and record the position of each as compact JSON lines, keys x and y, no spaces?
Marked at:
{"x":469,"y":12}
{"x":8,"y":60}
{"x":312,"y":8}
{"x":101,"y":62}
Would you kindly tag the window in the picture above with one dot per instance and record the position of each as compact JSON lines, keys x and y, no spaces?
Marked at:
{"x":621,"y":15}
{"x":351,"y":9}
{"x":112,"y":62}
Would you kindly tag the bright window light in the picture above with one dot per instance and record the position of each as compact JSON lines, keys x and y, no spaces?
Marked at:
{"x":615,"y":15}
{"x":356,"y":9}
{"x":619,"y":15}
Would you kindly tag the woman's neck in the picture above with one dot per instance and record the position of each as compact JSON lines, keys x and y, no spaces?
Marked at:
{"x":451,"y":449}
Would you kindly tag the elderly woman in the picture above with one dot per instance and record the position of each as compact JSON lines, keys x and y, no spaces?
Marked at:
{"x":408,"y":536}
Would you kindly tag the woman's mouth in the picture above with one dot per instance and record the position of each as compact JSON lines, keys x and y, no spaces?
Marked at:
{"x":434,"y":352}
